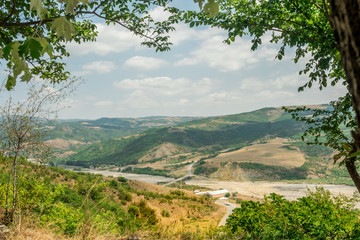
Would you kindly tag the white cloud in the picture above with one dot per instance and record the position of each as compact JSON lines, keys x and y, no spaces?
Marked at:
{"x":163,"y":92}
{"x":103,"y":104}
{"x":99,"y":66}
{"x":225,"y":57}
{"x":111,"y":39}
{"x":146,"y":63}
{"x":158,"y":14}
{"x":166,"y":86}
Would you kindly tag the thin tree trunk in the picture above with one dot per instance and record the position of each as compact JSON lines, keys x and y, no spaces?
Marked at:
{"x":9,"y":214}
{"x":14,"y":187}
{"x":8,"y":190}
{"x":345,"y":22}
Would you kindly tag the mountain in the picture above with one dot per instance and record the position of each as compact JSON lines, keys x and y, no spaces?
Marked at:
{"x":108,"y":128}
{"x":70,"y":136}
{"x":207,"y":135}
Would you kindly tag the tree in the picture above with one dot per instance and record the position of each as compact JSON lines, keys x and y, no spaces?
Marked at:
{"x":325,"y":31}
{"x":33,"y":32}
{"x":23,"y":131}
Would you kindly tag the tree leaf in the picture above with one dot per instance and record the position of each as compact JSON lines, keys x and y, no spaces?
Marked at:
{"x":10,"y":83}
{"x":63,"y":28}
{"x":71,"y":5}
{"x":32,"y":47}
{"x":211,"y":8}
{"x":38,"y":6}
{"x":47,"y":48}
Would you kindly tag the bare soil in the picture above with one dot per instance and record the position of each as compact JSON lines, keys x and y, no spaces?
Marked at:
{"x":259,"y":189}
{"x":275,"y":152}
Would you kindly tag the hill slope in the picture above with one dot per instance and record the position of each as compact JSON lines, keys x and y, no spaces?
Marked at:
{"x":207,"y":135}
{"x":70,"y":136}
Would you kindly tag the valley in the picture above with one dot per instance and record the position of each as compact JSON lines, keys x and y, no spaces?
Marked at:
{"x":263,"y":145}
{"x":145,"y":181}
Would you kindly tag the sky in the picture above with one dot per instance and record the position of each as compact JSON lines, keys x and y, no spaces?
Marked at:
{"x":200,"y":76}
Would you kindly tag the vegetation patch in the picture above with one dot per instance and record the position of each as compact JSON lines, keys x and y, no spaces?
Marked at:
{"x":316,"y":216}
{"x":147,"y":170}
{"x":258,"y":171}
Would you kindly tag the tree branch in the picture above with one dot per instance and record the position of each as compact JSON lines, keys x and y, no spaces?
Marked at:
{"x":306,"y":16}
{"x":25,"y":24}
{"x":11,"y":13}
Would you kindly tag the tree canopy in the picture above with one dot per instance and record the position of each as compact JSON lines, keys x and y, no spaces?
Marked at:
{"x":324,"y":33}
{"x":33,"y":33}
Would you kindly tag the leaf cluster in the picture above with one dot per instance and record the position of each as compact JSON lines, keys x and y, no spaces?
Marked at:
{"x":33,"y":32}
{"x":302,"y":25}
{"x":316,"y":216}
{"x":329,"y":126}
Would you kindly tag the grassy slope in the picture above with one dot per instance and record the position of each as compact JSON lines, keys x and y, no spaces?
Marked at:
{"x":108,"y":128}
{"x":82,"y":206}
{"x":71,"y":136}
{"x":219,"y":132}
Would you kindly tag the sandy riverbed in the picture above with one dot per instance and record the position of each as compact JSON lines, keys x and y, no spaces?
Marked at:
{"x":259,"y":189}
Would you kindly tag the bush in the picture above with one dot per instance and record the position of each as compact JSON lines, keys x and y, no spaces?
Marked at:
{"x":165,"y":213}
{"x":316,"y":216}
{"x":121,"y":179}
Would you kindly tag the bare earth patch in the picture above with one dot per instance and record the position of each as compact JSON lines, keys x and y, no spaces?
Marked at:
{"x":160,"y":151}
{"x":62,"y":144}
{"x":276,"y":152}
{"x":259,"y":189}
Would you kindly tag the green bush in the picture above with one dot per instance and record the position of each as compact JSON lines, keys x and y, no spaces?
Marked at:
{"x":122,"y":179}
{"x":316,"y":216}
{"x":165,"y":213}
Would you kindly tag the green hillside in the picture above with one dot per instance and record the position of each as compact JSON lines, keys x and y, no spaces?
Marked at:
{"x":108,"y":128}
{"x":210,"y":134}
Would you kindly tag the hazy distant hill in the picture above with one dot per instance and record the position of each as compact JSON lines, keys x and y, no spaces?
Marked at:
{"x":70,"y":136}
{"x":108,"y":128}
{"x":205,"y":135}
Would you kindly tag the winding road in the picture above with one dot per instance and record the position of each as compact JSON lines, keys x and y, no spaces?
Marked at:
{"x":188,"y":174}
{"x":229,"y":209}
{"x":229,"y":206}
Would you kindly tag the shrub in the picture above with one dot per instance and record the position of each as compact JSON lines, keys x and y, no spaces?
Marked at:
{"x":121,"y":179}
{"x":165,"y":213}
{"x":133,"y":210}
{"x":316,"y":216}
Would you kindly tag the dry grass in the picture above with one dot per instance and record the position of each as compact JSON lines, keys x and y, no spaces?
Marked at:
{"x":163,"y":150}
{"x":185,"y":215}
{"x":273,"y":152}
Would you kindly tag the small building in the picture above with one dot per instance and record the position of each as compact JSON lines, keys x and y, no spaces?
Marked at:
{"x":218,"y":193}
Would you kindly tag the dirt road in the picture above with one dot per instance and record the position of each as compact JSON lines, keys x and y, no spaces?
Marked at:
{"x":229,"y":209}
{"x":188,"y":174}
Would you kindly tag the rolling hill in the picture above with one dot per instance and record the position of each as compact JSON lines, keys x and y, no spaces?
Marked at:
{"x":206,"y":136}
{"x":70,"y":136}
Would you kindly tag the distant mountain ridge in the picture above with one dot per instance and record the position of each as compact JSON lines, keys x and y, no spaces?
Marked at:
{"x":204,"y":135}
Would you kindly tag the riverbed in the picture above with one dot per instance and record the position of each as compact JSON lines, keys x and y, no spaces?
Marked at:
{"x":291,"y":191}
{"x":131,"y":176}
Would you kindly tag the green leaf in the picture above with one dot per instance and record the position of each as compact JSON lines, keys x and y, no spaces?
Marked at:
{"x":355,"y":154}
{"x":10,"y":83}
{"x":27,"y":76}
{"x":38,"y":6}
{"x":211,"y":8}
{"x":47,"y":48}
{"x":71,"y":5}
{"x":32,"y":47}
{"x":63,"y":28}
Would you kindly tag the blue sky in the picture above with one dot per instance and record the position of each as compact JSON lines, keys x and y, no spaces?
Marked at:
{"x":200,"y":76}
